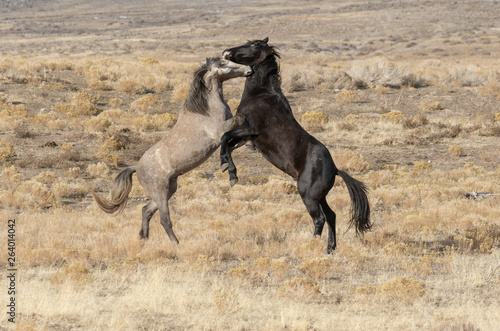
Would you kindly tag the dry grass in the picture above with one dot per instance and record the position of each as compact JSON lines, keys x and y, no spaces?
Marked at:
{"x":420,"y":132}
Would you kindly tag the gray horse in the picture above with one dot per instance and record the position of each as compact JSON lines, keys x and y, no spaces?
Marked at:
{"x":204,"y":117}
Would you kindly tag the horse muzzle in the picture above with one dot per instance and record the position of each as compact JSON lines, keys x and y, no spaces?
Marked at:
{"x":226,"y":54}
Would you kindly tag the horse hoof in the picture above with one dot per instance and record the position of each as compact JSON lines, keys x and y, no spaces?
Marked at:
{"x":329,"y":250}
{"x":234,"y":181}
{"x":224,"y":167}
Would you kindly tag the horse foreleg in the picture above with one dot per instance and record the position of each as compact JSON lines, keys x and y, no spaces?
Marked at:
{"x":230,"y":141}
{"x":230,"y":124}
{"x":227,"y":146}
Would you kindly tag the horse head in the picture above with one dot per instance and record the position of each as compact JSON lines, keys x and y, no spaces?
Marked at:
{"x":251,"y":53}
{"x":224,"y":69}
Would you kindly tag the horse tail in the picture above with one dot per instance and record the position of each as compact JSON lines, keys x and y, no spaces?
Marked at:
{"x":360,"y":207}
{"x":119,"y":192}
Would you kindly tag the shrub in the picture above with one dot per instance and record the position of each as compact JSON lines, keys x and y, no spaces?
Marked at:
{"x":264,"y":267}
{"x":48,"y":121}
{"x":111,"y":144}
{"x":76,"y":273}
{"x":73,"y":172}
{"x":11,"y":110}
{"x":46,"y":177}
{"x":382,"y":89}
{"x":98,"y":170}
{"x":11,"y":177}
{"x":115,"y":102}
{"x":466,"y":76}
{"x":164,"y":121}
{"x":434,"y":105}
{"x":393,"y":116}
{"x":109,"y":159}
{"x":98,"y":85}
{"x":405,"y":290}
{"x":7,"y":151}
{"x":63,"y":108}
{"x":316,"y":268}
{"x":144,"y":103}
{"x":149,"y":60}
{"x":83,"y":104}
{"x":377,"y":71}
{"x":226,"y":302}
{"x":455,"y":151}
{"x":63,"y":189}
{"x":96,"y":124}
{"x":11,"y":116}
{"x":352,"y":117}
{"x":314,"y":120}
{"x":40,"y":193}
{"x":351,"y":161}
{"x":415,"y":121}
{"x":300,"y":290}
{"x":128,"y":85}
{"x":52,"y":87}
{"x":142,"y":123}
{"x":345,"y":97}
{"x":422,"y":166}
{"x":69,"y":153}
{"x":240,"y":273}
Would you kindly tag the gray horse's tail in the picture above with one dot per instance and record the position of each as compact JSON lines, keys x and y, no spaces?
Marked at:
{"x":119,"y":193}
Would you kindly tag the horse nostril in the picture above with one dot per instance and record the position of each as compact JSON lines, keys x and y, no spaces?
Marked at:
{"x":249,"y":72}
{"x":226,"y":54}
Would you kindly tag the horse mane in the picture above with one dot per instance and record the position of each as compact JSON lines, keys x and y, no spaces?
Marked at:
{"x":268,"y":66}
{"x":197,"y":99}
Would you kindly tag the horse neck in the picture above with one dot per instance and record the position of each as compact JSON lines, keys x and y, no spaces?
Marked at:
{"x":266,"y":78}
{"x":216,"y":103}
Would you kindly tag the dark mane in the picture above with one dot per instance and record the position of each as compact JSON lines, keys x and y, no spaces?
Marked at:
{"x":197,"y":100}
{"x":268,"y":67}
{"x":266,"y":50}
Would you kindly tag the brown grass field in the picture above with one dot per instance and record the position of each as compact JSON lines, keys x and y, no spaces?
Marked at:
{"x":405,"y":94}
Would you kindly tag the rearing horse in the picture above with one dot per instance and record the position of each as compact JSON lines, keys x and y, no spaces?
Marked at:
{"x":270,"y":125}
{"x":203,"y":118}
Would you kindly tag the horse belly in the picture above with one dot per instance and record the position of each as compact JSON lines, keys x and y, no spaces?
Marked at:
{"x":286,"y":155}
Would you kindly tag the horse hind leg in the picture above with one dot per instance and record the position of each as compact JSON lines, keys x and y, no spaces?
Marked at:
{"x":313,"y":189}
{"x":147,"y":212}
{"x":314,"y":209}
{"x":331,"y":220}
{"x":165,"y":220}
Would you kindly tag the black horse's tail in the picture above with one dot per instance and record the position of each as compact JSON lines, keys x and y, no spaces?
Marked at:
{"x":119,"y":193}
{"x":360,"y":207}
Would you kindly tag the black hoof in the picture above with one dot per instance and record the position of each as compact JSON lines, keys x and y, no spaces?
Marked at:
{"x":224,"y":167}
{"x":329,"y":250}
{"x":234,"y":181}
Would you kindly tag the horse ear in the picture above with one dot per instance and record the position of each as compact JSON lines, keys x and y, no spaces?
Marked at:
{"x":266,"y":40}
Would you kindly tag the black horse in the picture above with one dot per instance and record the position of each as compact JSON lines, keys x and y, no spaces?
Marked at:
{"x":274,"y":131}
